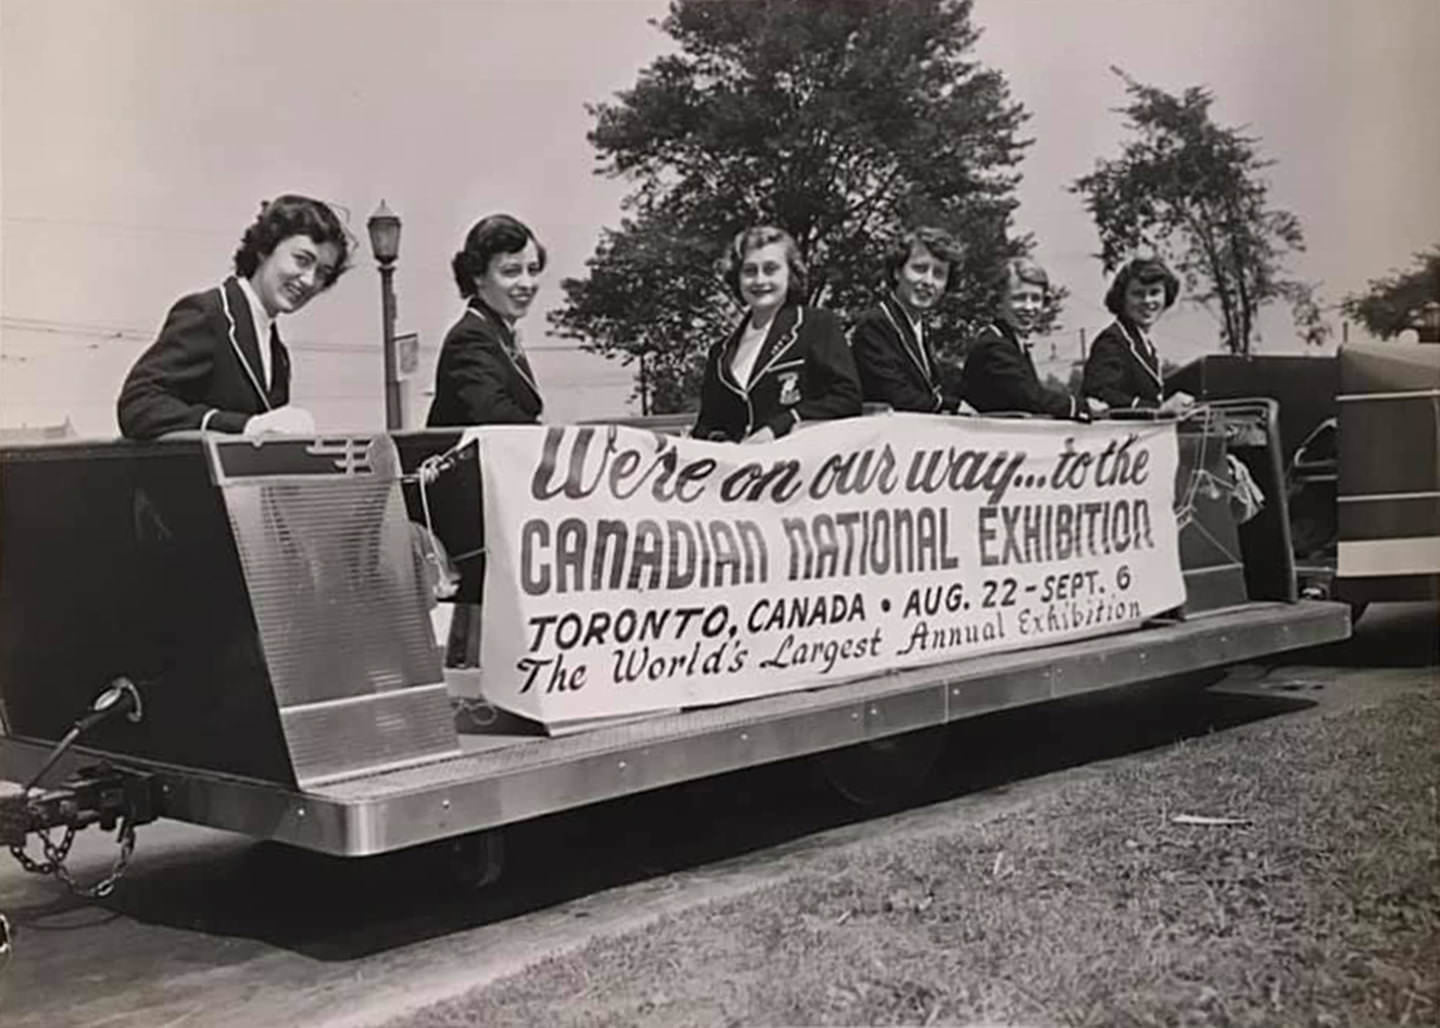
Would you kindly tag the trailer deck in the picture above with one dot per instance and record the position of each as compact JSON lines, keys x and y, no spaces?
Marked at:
{"x":500,"y":779}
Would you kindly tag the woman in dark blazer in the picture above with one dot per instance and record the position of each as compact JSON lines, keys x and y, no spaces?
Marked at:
{"x":483,"y":376}
{"x":785,"y":362}
{"x":893,"y":357}
{"x":1123,"y":369}
{"x":218,"y":363}
{"x":999,"y":374}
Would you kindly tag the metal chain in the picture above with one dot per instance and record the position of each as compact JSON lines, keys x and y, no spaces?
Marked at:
{"x":55,"y":856}
{"x":125,"y":836}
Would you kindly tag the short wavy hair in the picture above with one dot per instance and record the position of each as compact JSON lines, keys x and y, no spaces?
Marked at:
{"x":752,"y":239}
{"x":487,"y":239}
{"x":939,"y":242}
{"x":292,"y":215}
{"x":1020,"y":269}
{"x":1147,"y":271}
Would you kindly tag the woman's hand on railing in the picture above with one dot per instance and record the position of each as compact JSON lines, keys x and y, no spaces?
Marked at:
{"x":1177,"y":402}
{"x":283,"y":420}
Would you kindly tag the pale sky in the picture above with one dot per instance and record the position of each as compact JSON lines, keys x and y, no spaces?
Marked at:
{"x":137,"y":138}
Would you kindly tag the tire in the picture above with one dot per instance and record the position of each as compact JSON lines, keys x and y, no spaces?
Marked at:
{"x":467,"y":862}
{"x":886,"y":772}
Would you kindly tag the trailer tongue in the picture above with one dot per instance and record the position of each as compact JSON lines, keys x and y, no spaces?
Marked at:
{"x":269,"y":610}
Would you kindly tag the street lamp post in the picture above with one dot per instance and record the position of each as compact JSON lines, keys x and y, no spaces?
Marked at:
{"x":384,"y":228}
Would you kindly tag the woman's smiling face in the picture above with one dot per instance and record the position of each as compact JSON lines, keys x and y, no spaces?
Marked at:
{"x":765,"y":278}
{"x":1023,"y":303}
{"x":1144,"y":303}
{"x":511,"y":281}
{"x":294,"y":273}
{"x":922,"y":279}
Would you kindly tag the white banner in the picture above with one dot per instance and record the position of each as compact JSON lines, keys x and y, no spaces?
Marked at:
{"x":630,"y":571}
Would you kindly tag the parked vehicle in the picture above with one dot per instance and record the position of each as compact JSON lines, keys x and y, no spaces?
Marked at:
{"x":1361,"y":432}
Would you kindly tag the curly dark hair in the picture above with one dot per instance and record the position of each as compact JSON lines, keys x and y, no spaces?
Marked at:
{"x":488,"y":238}
{"x":754,"y":238}
{"x":939,"y":242}
{"x":292,"y":215}
{"x":1147,"y":271}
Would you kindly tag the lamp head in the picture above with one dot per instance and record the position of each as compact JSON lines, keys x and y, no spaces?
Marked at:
{"x":384,"y":228}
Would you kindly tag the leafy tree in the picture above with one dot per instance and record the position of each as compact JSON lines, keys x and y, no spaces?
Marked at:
{"x":843,"y":121}
{"x":1393,"y":304}
{"x":1191,"y":192}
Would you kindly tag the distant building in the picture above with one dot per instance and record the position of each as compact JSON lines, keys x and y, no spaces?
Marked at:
{"x":37,"y":433}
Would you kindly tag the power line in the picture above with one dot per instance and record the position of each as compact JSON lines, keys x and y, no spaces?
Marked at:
{"x":99,"y":331}
{"x":114,"y":226}
{"x":73,"y":328}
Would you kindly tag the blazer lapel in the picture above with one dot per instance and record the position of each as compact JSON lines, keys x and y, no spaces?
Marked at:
{"x":1145,"y":356}
{"x":279,"y":369}
{"x":508,"y":348}
{"x":242,"y":337}
{"x":784,"y":331}
{"x":724,"y":371}
{"x":1008,"y":334}
{"x":908,"y":342}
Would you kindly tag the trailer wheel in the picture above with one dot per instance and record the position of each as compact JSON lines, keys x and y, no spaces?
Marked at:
{"x":476,"y":860}
{"x":884,"y":772}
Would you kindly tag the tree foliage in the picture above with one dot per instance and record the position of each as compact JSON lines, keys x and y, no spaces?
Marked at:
{"x":843,"y":121}
{"x":1392,"y":304}
{"x":1191,"y":192}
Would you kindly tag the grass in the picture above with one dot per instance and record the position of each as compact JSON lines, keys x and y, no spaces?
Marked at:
{"x":1089,"y":907}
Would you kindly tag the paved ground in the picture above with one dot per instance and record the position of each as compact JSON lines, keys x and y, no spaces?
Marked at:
{"x":211,"y":929}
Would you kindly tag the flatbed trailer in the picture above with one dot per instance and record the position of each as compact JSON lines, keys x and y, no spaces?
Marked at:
{"x":502,"y":779}
{"x":260,"y":612}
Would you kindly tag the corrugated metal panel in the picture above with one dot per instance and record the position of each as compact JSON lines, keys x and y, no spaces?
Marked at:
{"x":344,"y":624}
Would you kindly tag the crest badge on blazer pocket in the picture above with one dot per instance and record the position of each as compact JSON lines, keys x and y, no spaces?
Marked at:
{"x":789,"y":388}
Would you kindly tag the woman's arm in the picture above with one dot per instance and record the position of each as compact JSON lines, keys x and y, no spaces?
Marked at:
{"x":1011,"y":383}
{"x":1107,"y":374}
{"x":165,"y":390}
{"x":707,"y":418}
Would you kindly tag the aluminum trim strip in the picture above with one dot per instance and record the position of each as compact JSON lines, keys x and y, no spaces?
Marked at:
{"x":1408,"y":394}
{"x":1416,"y":555}
{"x":1428,"y":494}
{"x":369,"y":697}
